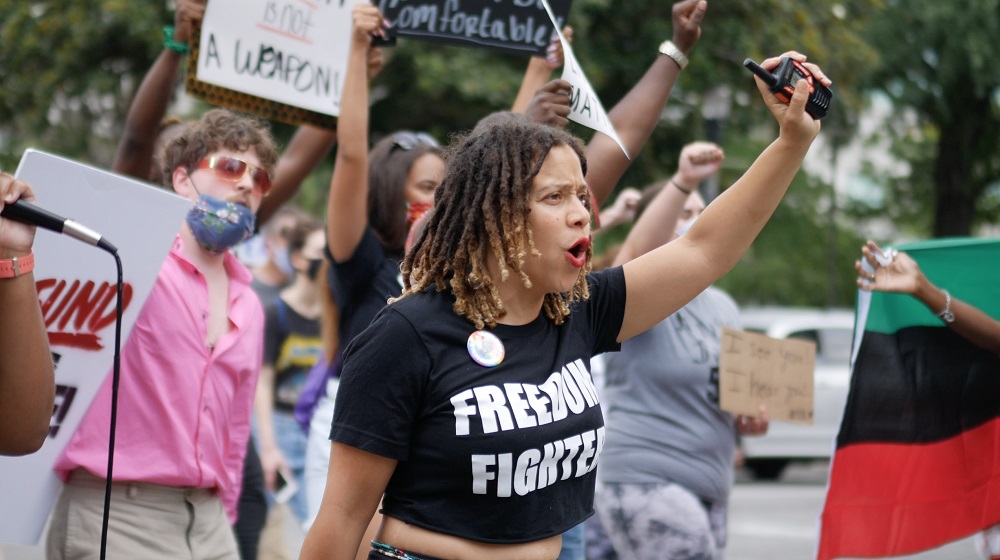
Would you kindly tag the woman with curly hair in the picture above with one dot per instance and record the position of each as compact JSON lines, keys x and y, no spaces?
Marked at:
{"x":467,"y":406}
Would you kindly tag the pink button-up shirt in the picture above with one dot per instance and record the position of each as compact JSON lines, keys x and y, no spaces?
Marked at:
{"x":183,"y":408}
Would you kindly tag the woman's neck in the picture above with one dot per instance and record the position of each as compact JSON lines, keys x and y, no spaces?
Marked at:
{"x":303,"y":296}
{"x":522,"y":304}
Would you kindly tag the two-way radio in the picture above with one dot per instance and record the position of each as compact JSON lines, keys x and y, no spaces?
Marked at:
{"x":781,"y":82}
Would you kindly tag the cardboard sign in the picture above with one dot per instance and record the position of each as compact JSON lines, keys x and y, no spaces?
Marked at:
{"x":755,"y":369}
{"x":77,"y":287}
{"x":510,"y":26}
{"x":290,"y":52}
{"x":585,"y":107}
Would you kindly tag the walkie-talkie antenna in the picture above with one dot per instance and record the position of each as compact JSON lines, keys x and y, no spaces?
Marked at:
{"x":770,"y":79}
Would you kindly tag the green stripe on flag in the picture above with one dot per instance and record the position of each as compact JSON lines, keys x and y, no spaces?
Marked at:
{"x":968,"y":268}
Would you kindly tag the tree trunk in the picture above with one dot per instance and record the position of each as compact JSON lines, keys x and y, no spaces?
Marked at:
{"x":956,"y":189}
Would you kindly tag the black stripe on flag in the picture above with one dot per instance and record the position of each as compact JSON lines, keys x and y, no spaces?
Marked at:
{"x":919,"y":385}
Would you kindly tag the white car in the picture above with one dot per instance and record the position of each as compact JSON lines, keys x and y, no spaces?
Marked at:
{"x":832,"y":330}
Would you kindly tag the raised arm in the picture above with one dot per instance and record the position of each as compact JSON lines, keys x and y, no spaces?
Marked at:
{"x":901,"y":274}
{"x":134,"y":155}
{"x":635,"y":115}
{"x":347,"y":206}
{"x":622,"y":210}
{"x":306,"y":149}
{"x":656,"y":226}
{"x":27,"y":377}
{"x":665,"y":279}
{"x":540,"y":70}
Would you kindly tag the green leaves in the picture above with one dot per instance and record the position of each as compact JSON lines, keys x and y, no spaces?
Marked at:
{"x":68,"y":71}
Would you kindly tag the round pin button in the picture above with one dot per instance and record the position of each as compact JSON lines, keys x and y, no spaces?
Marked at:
{"x":485,"y":348}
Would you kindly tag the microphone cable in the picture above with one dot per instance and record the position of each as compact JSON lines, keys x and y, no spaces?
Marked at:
{"x":115,"y":377}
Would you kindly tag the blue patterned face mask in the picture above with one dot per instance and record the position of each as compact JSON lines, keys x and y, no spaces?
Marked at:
{"x":218,"y":225}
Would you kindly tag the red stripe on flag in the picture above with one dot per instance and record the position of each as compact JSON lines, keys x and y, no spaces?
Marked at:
{"x":888,"y":499}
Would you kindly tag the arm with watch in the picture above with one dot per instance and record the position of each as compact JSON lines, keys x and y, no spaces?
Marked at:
{"x":898,"y":272}
{"x":636,"y":115}
{"x":27,"y":377}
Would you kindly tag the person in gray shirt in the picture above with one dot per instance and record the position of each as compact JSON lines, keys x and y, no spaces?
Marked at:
{"x":667,"y":465}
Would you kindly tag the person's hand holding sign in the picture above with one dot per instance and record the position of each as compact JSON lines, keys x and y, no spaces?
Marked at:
{"x":368,"y":23}
{"x":537,"y":100}
{"x":550,"y":104}
{"x":187,"y":14}
{"x":554,"y":53}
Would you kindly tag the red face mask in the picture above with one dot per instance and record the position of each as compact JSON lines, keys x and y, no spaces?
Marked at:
{"x":416,"y":214}
{"x":413,"y":213}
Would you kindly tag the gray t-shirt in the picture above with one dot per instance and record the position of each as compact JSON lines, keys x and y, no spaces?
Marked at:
{"x":661,"y":403}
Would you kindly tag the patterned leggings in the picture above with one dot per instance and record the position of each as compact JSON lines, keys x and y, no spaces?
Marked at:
{"x":657,"y":521}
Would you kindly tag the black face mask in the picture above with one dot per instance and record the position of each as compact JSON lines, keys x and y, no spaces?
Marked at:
{"x":313,"y":270}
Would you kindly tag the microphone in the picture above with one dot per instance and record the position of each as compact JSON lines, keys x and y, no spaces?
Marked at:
{"x":30,"y":214}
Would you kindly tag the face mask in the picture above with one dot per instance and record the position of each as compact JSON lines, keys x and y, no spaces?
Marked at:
{"x":313,"y":270}
{"x":218,"y":225}
{"x":413,"y":213}
{"x":283,"y":260}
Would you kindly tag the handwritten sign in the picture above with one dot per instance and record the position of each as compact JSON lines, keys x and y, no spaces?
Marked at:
{"x":755,"y":369}
{"x":585,"y":107}
{"x":293,"y":52}
{"x":510,"y":26}
{"x":77,"y":288}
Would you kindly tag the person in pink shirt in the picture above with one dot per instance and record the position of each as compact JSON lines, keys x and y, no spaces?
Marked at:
{"x":188,"y":371}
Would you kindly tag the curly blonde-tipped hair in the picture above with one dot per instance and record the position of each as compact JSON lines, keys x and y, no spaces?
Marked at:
{"x":481,"y":211}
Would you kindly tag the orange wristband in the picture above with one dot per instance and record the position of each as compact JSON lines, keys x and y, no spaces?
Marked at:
{"x":18,"y":266}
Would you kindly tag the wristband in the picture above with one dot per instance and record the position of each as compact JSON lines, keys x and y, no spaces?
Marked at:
{"x":680,"y":188}
{"x":668,"y":48}
{"x":18,"y":266}
{"x":169,"y":43}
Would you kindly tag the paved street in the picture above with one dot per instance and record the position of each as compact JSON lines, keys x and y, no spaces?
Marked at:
{"x":778,"y":520}
{"x":768,"y":521}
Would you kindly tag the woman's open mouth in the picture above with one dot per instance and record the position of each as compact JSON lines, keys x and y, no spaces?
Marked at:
{"x":577,"y":254}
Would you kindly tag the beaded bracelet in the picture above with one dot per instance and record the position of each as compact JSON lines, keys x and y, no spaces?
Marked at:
{"x":170,"y":43}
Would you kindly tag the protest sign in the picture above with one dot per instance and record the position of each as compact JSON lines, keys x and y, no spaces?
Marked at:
{"x":77,"y":287}
{"x":510,"y":26}
{"x":755,"y":369}
{"x":585,"y":107}
{"x":279,"y":59}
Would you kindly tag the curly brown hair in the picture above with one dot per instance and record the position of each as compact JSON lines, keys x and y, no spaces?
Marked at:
{"x":481,"y":209}
{"x":215,"y":130}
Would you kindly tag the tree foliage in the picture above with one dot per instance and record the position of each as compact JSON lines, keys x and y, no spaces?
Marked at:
{"x":939,"y":60}
{"x":70,"y":69}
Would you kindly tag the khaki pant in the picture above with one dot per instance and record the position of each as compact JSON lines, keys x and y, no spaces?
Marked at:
{"x":146,"y":521}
